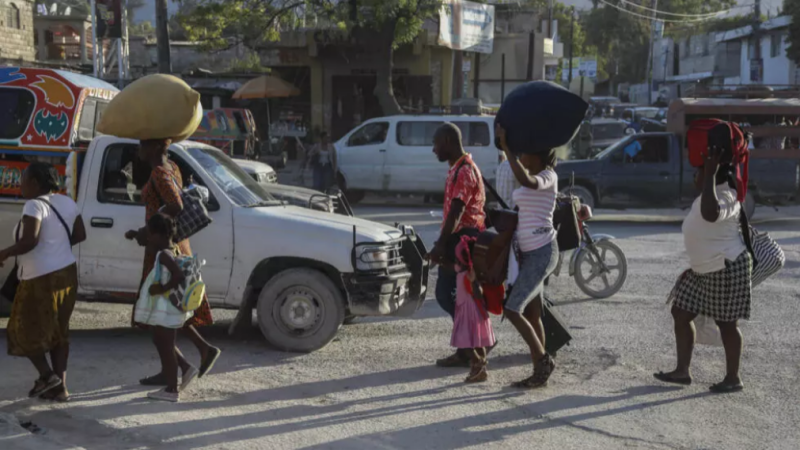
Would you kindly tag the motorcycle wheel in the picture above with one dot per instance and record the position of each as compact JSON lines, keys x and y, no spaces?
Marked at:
{"x":594,"y":283}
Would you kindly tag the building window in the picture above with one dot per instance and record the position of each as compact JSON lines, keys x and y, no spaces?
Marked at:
{"x":12,"y":16}
{"x":775,"y":45}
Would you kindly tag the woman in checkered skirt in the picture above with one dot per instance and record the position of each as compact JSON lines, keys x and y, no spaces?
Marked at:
{"x":718,"y":283}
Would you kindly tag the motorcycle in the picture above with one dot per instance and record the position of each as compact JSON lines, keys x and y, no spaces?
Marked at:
{"x":598,"y":265}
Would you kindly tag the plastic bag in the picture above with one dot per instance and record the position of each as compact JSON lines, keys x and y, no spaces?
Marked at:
{"x":154,"y":107}
{"x":707,"y":331}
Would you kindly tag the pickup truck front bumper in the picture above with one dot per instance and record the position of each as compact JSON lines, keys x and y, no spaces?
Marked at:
{"x":398,"y":290}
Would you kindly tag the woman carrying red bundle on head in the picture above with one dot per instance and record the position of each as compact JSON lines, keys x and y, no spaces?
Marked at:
{"x":472,"y":328}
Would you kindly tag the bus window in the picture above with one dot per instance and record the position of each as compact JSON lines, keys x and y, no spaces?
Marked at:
{"x":16,"y":108}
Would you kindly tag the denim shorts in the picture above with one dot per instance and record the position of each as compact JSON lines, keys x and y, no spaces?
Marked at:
{"x":534,"y":268}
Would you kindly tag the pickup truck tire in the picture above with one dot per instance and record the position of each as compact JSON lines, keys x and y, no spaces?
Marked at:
{"x":300,"y":310}
{"x":584,"y":194}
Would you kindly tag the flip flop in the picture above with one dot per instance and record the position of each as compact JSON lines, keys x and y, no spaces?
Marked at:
{"x":209,"y":362}
{"x":725,"y":387}
{"x":667,"y":378}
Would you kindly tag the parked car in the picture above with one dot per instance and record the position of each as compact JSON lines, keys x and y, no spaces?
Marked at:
{"x":659,"y":175}
{"x":295,"y":195}
{"x":635,"y":116}
{"x":602,"y":105}
{"x":259,"y":171}
{"x":606,"y":132}
{"x":395,"y":154}
{"x":616,"y":111}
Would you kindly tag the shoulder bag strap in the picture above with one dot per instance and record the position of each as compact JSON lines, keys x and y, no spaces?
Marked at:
{"x":60,"y":219}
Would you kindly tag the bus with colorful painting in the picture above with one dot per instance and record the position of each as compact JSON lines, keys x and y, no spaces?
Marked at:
{"x":232,"y":130}
{"x":47,"y":115}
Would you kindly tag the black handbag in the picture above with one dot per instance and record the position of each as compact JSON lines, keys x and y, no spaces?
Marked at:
{"x":556,"y":330}
{"x":565,"y":220}
{"x":9,"y":289}
{"x":194,"y":216}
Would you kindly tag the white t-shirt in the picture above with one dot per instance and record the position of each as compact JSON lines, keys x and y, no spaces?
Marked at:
{"x":53,"y":252}
{"x":536,"y":206}
{"x":710,"y":244}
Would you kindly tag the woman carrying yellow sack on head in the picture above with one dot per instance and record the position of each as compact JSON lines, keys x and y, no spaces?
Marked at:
{"x":159,"y":110}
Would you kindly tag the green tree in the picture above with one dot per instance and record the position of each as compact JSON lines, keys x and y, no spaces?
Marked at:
{"x":792,"y":8}
{"x":378,"y":27}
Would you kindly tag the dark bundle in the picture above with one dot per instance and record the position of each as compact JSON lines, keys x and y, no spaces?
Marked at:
{"x":539,"y":116}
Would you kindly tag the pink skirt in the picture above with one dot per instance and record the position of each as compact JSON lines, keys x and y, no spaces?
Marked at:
{"x":472,"y":327}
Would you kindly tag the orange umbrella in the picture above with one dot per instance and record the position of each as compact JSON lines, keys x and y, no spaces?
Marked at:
{"x":266,"y":86}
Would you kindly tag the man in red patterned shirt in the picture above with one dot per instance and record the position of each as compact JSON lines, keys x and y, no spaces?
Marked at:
{"x":464,"y":200}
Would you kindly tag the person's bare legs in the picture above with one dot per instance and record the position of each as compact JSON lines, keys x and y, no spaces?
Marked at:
{"x":684,"y":343}
{"x":197,"y":339}
{"x":528,"y":334}
{"x":164,"y":339}
{"x":41,"y":365}
{"x":533,"y":313}
{"x":59,"y":357}
{"x":732,"y":341}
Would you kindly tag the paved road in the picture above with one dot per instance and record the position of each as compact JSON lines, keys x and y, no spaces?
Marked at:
{"x":375,"y":386}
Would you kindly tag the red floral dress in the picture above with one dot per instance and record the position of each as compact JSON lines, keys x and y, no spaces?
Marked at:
{"x":162,"y":189}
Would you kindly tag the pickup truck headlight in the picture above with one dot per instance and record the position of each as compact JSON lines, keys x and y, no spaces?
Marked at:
{"x":372,"y":258}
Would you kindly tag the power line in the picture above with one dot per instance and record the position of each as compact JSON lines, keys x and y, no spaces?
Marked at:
{"x":650,"y":18}
{"x":666,"y":13}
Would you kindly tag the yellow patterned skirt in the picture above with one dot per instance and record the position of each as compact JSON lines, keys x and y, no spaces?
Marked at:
{"x":41,"y":311}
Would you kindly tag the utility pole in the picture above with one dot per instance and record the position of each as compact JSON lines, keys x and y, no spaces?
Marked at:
{"x":571,"y":43}
{"x":650,"y":55}
{"x":549,"y":19}
{"x":162,"y":36}
{"x":756,"y":63}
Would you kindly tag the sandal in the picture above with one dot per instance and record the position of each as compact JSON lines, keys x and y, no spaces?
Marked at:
{"x":478,"y":374}
{"x":44,"y":384}
{"x":669,"y":378}
{"x":541,"y":375}
{"x":726,"y":387}
{"x":56,"y":395}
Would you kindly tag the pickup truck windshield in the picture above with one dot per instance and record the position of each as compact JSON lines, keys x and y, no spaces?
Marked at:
{"x":238,"y":186}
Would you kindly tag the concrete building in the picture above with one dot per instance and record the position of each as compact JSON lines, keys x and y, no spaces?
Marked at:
{"x":723,"y":59}
{"x":779,"y":70}
{"x":16,"y":31}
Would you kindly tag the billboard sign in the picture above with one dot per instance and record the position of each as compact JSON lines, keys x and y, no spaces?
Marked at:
{"x":466,"y":26}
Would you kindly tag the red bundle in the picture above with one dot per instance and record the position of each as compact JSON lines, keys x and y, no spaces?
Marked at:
{"x":729,"y":137}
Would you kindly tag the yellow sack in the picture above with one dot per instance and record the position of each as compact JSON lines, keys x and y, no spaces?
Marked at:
{"x":154,"y":107}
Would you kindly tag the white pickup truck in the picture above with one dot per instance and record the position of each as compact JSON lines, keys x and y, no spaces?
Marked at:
{"x":304,"y":271}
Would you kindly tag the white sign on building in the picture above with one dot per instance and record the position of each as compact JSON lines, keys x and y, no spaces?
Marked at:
{"x":466,"y":26}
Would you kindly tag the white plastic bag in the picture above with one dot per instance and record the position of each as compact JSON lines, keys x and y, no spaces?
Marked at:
{"x":707,"y":331}
{"x":158,"y":310}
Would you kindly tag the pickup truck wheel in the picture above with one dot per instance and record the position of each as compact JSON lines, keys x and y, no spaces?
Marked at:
{"x":300,"y":310}
{"x":584,"y":195}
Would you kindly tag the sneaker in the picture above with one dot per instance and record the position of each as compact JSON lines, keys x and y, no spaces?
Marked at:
{"x":188,"y":377}
{"x":454,"y":360}
{"x":164,"y":396}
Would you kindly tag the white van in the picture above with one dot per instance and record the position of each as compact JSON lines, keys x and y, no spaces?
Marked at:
{"x":395,"y":154}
